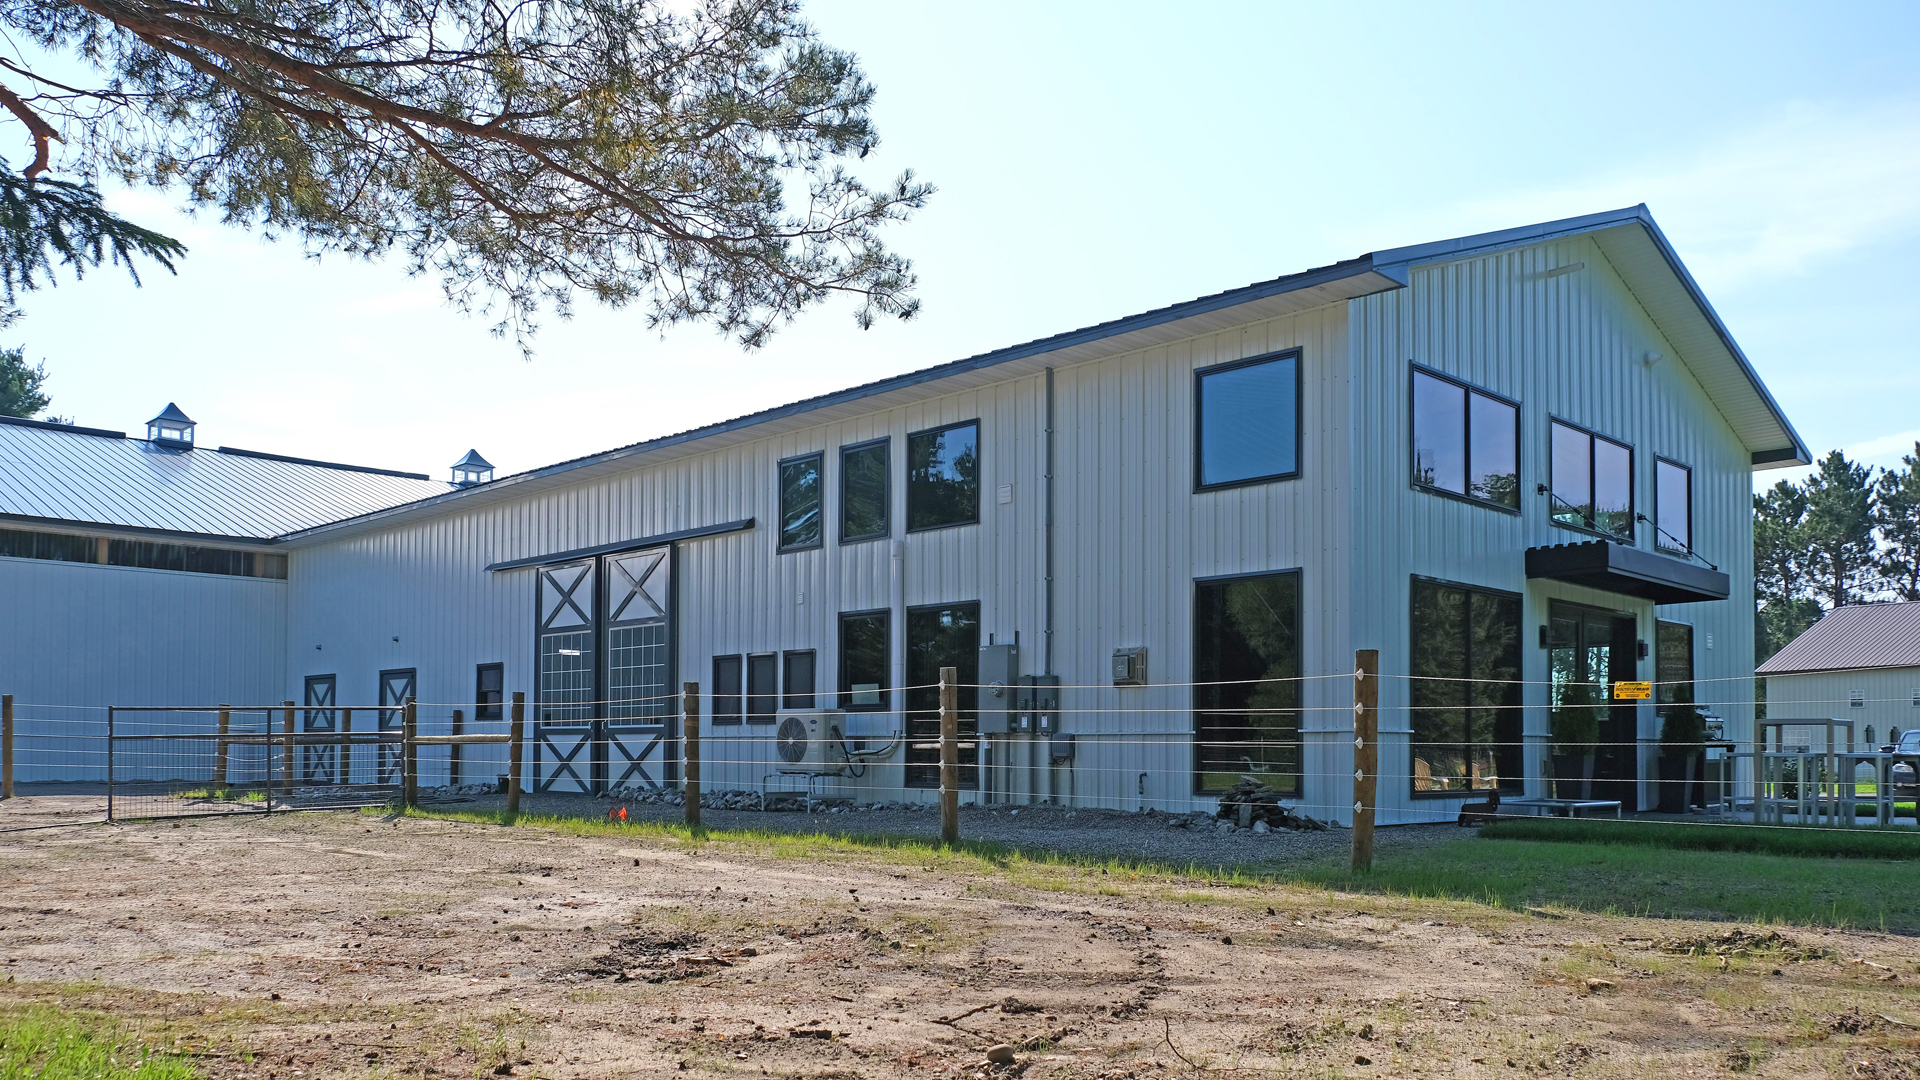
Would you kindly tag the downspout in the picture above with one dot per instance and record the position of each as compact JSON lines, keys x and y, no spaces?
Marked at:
{"x":897,"y":617}
{"x":1040,"y":745}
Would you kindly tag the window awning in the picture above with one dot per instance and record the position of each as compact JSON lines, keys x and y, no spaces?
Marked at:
{"x":1616,"y":568}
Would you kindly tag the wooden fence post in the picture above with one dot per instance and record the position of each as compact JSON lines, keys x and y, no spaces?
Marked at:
{"x":6,"y":746}
{"x":1366,"y":752}
{"x":286,"y":754}
{"x":949,"y":756}
{"x":690,"y":749}
{"x":514,"y":751}
{"x":220,"y":748}
{"x":346,"y":746}
{"x":409,"y":756}
{"x":453,"y":752}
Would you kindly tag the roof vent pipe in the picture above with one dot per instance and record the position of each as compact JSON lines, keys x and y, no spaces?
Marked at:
{"x":171,"y":428}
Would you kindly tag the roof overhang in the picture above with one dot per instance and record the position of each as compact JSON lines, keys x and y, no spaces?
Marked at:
{"x":1616,"y":568}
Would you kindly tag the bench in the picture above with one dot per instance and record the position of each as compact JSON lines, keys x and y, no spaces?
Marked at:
{"x":1564,"y":807}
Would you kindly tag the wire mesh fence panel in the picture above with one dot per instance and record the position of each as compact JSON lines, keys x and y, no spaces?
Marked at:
{"x":59,"y":767}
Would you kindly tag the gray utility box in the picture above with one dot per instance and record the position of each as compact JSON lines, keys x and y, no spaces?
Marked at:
{"x":1037,"y":704}
{"x":1130,"y":666}
{"x":999,"y":679}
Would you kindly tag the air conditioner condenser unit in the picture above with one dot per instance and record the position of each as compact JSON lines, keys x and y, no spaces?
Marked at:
{"x":810,"y":743}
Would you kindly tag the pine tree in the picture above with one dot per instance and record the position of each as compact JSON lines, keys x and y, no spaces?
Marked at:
{"x":1842,"y":557}
{"x":20,"y":384}
{"x":1783,"y":606}
{"x":1898,"y":492}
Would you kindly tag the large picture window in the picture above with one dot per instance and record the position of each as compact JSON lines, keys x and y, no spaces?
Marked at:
{"x":944,"y":636}
{"x":943,"y":477}
{"x":1592,"y":482}
{"x":1672,"y":507}
{"x":1465,"y":441}
{"x":1465,"y":691}
{"x":865,"y":654}
{"x":800,"y":503}
{"x":864,"y":476}
{"x":1672,"y":666}
{"x":1246,"y":701}
{"x":1247,"y":421}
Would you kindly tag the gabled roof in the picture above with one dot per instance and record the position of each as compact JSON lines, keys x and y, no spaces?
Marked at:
{"x":59,"y":474}
{"x":1850,"y":638}
{"x":1628,"y":237}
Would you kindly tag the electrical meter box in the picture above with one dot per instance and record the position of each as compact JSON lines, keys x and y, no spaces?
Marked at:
{"x":1130,"y":666}
{"x":999,"y":687}
{"x":1037,"y":704}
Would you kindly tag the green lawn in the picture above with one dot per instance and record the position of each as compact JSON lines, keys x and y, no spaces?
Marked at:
{"x":1808,"y":841}
{"x":42,"y":1043}
{"x":1649,"y":881}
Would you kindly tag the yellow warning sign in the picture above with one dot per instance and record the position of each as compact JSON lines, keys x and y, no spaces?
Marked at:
{"x":1632,"y":691}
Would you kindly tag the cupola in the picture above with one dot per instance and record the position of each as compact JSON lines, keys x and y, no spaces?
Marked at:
{"x":472,"y":469}
{"x":171,"y":428}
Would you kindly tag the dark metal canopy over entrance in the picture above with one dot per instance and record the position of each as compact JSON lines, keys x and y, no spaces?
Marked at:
{"x":1616,"y":568}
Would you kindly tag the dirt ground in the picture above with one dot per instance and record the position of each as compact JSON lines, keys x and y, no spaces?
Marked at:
{"x":347,"y":944}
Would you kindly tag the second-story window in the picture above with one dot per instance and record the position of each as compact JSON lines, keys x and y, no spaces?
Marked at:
{"x":1247,"y":421}
{"x":800,"y":502}
{"x":1672,"y":507}
{"x":864,"y":479}
{"x":1592,"y":482}
{"x":1465,"y":441}
{"x":943,"y":476}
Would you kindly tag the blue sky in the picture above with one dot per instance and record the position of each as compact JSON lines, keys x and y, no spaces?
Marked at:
{"x":1099,"y":159}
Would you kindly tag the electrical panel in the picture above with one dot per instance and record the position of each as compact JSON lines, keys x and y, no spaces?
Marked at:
{"x":999,"y":688}
{"x":1037,"y":704}
{"x":1060,"y":747}
{"x":1130,"y":666}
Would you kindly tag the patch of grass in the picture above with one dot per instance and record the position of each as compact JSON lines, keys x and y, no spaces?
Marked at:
{"x":44,"y":1043}
{"x":1623,"y":879}
{"x":1804,"y":841}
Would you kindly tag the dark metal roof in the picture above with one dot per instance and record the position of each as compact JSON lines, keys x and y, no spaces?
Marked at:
{"x":172,"y":413}
{"x":1848,"y":638}
{"x":473,"y":460}
{"x":1629,"y":571}
{"x":55,"y":474}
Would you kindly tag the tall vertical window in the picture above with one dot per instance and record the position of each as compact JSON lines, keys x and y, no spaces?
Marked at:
{"x":1465,"y":690}
{"x":1465,"y":441}
{"x":726,"y":689}
{"x":865,"y":654}
{"x":1672,"y":665}
{"x":796,"y":679}
{"x":943,"y":476}
{"x":489,"y":691}
{"x":947,"y":635}
{"x":800,"y":502}
{"x":1672,"y":507}
{"x":1246,"y":667}
{"x":864,"y":476}
{"x":763,"y":687}
{"x":1592,"y":482}
{"x":1247,"y":421}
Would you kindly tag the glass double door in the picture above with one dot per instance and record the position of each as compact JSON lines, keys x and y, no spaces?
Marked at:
{"x":1589,"y":651}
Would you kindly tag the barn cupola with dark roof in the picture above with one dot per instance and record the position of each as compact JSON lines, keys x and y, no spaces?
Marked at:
{"x":171,"y":428}
{"x":472,"y":469}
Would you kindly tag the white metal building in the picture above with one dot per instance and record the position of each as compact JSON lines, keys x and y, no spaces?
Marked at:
{"x":1505,"y":461}
{"x":1858,"y":663}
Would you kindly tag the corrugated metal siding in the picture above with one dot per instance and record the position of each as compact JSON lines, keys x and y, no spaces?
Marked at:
{"x":78,"y":637}
{"x":132,"y":482}
{"x":1570,"y":346}
{"x":1888,"y":699}
{"x":1860,"y":636}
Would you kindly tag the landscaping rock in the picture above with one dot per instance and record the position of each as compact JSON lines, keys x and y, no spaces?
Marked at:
{"x":1000,"y":1054}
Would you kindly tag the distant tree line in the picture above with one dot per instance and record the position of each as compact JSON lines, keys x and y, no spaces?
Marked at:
{"x":1844,"y":536}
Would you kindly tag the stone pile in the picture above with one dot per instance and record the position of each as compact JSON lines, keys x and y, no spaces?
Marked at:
{"x":1255,"y":807}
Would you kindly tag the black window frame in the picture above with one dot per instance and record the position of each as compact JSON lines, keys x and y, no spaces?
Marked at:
{"x":1659,"y":528}
{"x":763,"y":699}
{"x":788,"y":698}
{"x":844,"y":687}
{"x":979,"y":475}
{"x":1515,"y":711}
{"x":1291,"y":686}
{"x":920,"y":713}
{"x":729,"y":702}
{"x":1297,"y":355}
{"x":1466,"y":434}
{"x":819,"y":459}
{"x":885,"y":444}
{"x":1670,"y":692}
{"x":485,"y":711}
{"x":1633,"y":483}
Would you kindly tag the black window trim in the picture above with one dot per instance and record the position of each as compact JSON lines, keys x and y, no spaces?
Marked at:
{"x":841,"y":692}
{"x":1193,"y":690}
{"x":715,"y":694}
{"x":1297,"y":354}
{"x":906,"y":482}
{"x":786,"y":680}
{"x":747,"y":695}
{"x":479,"y":672}
{"x":1633,"y":483}
{"x":1471,"y":793}
{"x":886,"y":490}
{"x":1413,"y":470}
{"x":969,"y":774}
{"x":780,"y":499}
{"x":1658,"y":459}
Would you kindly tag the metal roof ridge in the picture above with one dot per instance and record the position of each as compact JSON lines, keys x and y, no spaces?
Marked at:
{"x":71,"y":429}
{"x":234,"y":450}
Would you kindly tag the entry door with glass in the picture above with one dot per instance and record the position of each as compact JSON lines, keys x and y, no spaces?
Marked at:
{"x":1593,"y":736}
